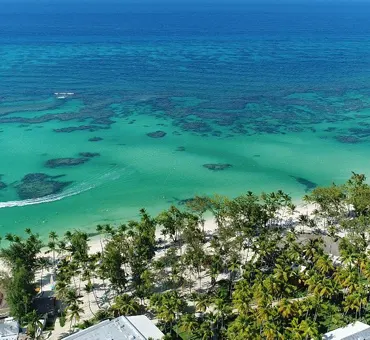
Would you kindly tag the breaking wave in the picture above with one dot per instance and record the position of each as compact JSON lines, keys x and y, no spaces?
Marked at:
{"x":90,"y":183}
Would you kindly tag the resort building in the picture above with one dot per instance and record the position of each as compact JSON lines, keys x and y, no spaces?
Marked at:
{"x":137,"y":327}
{"x":9,"y":329}
{"x":354,"y":331}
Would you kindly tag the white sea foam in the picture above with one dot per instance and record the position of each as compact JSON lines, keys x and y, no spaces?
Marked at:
{"x":93,"y":182}
{"x":63,"y":95}
{"x":46,"y":199}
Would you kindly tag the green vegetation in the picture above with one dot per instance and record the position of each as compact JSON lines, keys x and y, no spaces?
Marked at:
{"x":260,"y":274}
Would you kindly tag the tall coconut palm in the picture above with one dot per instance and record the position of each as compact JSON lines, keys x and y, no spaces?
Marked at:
{"x":42,"y":263}
{"x":100,"y":229}
{"x":53,"y":237}
{"x":34,"y":325}
{"x":202,"y":302}
{"x":89,"y":288}
{"x":188,"y":323}
{"x":242,"y":297}
{"x":73,"y":302}
{"x":125,"y":305}
{"x":74,"y":311}
{"x":61,"y":289}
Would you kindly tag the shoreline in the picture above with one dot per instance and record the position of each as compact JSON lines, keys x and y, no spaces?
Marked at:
{"x":90,"y":306}
{"x":209,"y":225}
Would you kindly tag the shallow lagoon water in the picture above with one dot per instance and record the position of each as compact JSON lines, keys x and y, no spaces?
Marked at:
{"x":287,"y":110}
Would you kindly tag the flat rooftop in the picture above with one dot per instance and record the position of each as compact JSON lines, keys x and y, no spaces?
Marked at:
{"x":123,"y":328}
{"x":354,"y":331}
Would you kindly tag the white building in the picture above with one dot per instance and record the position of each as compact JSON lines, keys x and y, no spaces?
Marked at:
{"x":354,"y":331}
{"x":137,"y":327}
{"x":9,"y":330}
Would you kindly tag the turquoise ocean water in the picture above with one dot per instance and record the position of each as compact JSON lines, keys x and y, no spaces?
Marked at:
{"x":276,"y":96}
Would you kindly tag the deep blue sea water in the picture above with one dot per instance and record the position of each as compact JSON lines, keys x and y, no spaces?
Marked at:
{"x":277,"y":94}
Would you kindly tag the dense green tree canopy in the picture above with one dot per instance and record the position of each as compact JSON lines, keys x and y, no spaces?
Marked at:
{"x":264,"y":271}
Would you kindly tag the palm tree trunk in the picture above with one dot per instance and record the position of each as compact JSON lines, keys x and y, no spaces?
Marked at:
{"x":94,"y":293}
{"x":41,"y":279}
{"x":101,"y":244}
{"x":88,"y":299}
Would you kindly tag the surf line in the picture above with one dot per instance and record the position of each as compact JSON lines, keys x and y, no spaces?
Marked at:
{"x":111,"y":175}
{"x":45,"y":199}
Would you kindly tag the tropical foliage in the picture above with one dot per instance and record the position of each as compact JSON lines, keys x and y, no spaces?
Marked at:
{"x":263,"y":273}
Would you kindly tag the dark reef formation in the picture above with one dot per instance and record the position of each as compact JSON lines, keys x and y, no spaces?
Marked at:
{"x":2,"y":184}
{"x":214,"y":115}
{"x":307,"y":183}
{"x":90,"y":128}
{"x":62,"y":162}
{"x":95,"y":139}
{"x":89,"y":154}
{"x":38,"y":185}
{"x":184,"y":201}
{"x":180,"y":148}
{"x":348,"y":139}
{"x":96,"y":111}
{"x":156,"y":134}
{"x":199,"y":127}
{"x":217,"y":166}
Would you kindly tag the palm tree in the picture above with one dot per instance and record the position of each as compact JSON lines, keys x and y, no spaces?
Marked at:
{"x":233,"y":268}
{"x":242,"y":296}
{"x":90,"y":272}
{"x":109,"y":230}
{"x":223,"y":310}
{"x":242,"y":328}
{"x":74,"y":311}
{"x":202,"y":302}
{"x":286,"y":308}
{"x":355,"y":302}
{"x":89,"y":288}
{"x":167,"y":306}
{"x":188,"y":323}
{"x":61,"y":289}
{"x":53,"y":237}
{"x":73,"y":302}
{"x":125,"y":305}
{"x":9,"y":237}
{"x":42,"y":263}
{"x":100,"y":229}
{"x":34,"y":325}
{"x":308,"y":329}
{"x":206,"y":331}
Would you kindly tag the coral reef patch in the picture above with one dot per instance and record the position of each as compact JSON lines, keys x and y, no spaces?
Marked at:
{"x":95,"y":139}
{"x":89,"y":154}
{"x":307,"y":183}
{"x":156,"y":134}
{"x":348,"y":139}
{"x":217,"y":166}
{"x":90,"y":128}
{"x":2,"y":184}
{"x":36,"y":185}
{"x":62,"y":162}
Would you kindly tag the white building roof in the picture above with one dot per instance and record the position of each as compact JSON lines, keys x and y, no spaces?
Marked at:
{"x":145,"y":326}
{"x":9,"y":330}
{"x":122,"y":328}
{"x":355,"y":331}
